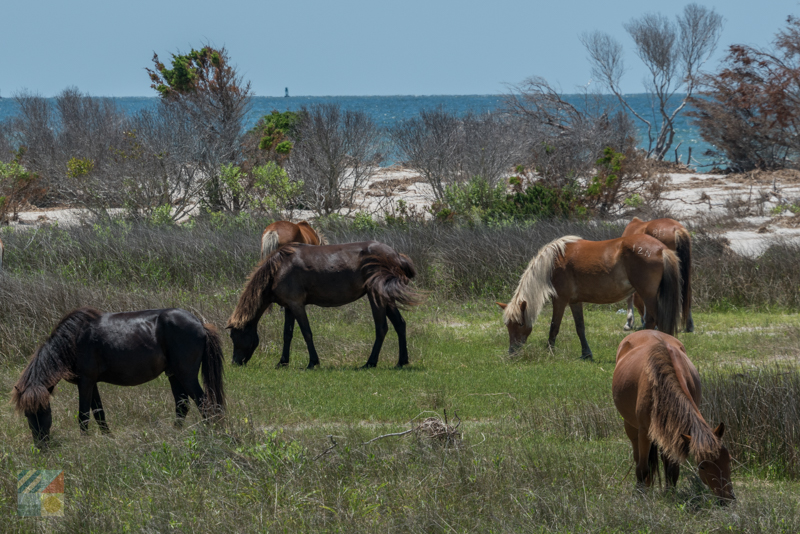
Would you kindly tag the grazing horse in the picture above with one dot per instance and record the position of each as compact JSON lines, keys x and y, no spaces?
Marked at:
{"x":657,"y":391}
{"x":329,"y":276}
{"x":571,"y":271}
{"x":125,"y":349}
{"x":679,"y":240}
{"x":284,"y":232}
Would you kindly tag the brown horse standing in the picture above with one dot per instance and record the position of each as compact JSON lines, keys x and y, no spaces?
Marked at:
{"x":677,"y":238}
{"x":657,"y":391}
{"x":571,"y":271}
{"x":284,"y":232}
{"x":328,"y":276}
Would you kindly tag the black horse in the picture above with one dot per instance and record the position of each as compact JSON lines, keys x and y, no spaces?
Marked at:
{"x":329,"y":276}
{"x":125,"y":349}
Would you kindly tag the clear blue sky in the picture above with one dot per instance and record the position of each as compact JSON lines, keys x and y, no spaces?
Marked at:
{"x":343,"y":47}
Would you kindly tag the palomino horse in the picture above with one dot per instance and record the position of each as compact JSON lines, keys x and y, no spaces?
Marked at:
{"x":677,"y":238}
{"x":125,"y":349}
{"x":284,"y":232}
{"x":329,"y":276}
{"x":571,"y":271}
{"x":657,"y":391}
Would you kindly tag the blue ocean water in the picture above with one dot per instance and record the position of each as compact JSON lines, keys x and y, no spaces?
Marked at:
{"x":387,"y":110}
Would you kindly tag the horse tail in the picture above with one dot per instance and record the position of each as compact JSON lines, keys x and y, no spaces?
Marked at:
{"x":53,"y":361}
{"x":388,"y":279}
{"x":683,"y":248}
{"x":652,"y":463}
{"x":669,"y":294}
{"x":212,"y":371}
{"x":322,"y":239}
{"x":269,"y":242}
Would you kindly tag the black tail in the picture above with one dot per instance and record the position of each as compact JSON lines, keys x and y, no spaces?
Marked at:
{"x":388,"y":279}
{"x":212,"y":372}
{"x":669,"y":294}
{"x":683,"y":248}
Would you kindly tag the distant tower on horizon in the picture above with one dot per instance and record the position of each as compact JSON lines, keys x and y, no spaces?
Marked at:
{"x":287,"y":93}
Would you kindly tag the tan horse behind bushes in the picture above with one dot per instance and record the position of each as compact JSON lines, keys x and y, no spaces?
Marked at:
{"x":679,"y":240}
{"x":657,"y":391}
{"x":571,"y":271}
{"x":281,"y":233}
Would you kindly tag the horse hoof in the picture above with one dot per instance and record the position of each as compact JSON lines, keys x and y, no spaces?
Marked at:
{"x":587,"y":357}
{"x":281,"y":364}
{"x":369,"y":366}
{"x":626,"y":328}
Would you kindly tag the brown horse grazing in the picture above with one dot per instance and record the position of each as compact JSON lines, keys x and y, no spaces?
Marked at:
{"x":125,"y":349}
{"x":571,"y":271}
{"x":657,"y":391}
{"x":679,"y":240}
{"x":329,"y":276}
{"x":284,"y":232}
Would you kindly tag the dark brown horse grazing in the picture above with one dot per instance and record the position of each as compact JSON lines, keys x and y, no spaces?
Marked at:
{"x":329,"y":276}
{"x":571,"y":271}
{"x":125,"y":349}
{"x":679,"y":240}
{"x":284,"y":232}
{"x":657,"y":391}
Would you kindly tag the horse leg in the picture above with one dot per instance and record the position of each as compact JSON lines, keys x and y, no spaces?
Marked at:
{"x":181,"y":401}
{"x":288,"y":334}
{"x":302,"y":320}
{"x":631,"y":319}
{"x":672,"y":471}
{"x":640,"y":307}
{"x":191,"y":386}
{"x":379,"y":316}
{"x":577,"y":314}
{"x":690,"y":322}
{"x":555,"y":324}
{"x":648,"y":317}
{"x":644,"y":474}
{"x":399,"y":325}
{"x":86,"y":389}
{"x":97,"y":410}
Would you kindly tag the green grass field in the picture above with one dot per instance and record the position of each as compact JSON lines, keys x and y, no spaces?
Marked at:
{"x":541,"y":447}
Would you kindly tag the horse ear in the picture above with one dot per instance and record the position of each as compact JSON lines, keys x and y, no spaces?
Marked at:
{"x":502,"y":306}
{"x":720,"y":430}
{"x":523,"y":306}
{"x":686,"y":439}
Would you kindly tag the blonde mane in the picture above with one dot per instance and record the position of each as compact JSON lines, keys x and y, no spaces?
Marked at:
{"x":535,"y":287}
{"x":674,"y":413}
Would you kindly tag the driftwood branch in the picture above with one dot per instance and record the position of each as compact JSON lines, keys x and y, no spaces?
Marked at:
{"x":329,"y":449}
{"x":388,"y":436}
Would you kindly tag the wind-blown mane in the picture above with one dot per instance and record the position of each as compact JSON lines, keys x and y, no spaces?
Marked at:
{"x":54,"y":360}
{"x":674,"y":412}
{"x":259,"y":281}
{"x":535,"y":286}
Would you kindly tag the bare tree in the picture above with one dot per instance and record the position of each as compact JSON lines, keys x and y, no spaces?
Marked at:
{"x":335,"y":153}
{"x":673,"y":54}
{"x":565,"y":139}
{"x":429,"y":144}
{"x":491,"y":145}
{"x":207,"y":87}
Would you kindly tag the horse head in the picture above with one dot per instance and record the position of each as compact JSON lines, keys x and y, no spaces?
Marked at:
{"x":40,"y":423}
{"x":716,"y":473}
{"x":245,"y":341}
{"x":517,"y":332}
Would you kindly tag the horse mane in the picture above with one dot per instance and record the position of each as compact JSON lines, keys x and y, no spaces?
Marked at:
{"x":257,"y":282}
{"x":674,"y":412}
{"x":54,"y":360}
{"x":535,"y":286}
